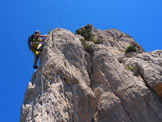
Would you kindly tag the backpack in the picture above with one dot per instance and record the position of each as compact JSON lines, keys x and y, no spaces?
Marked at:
{"x":30,"y":39}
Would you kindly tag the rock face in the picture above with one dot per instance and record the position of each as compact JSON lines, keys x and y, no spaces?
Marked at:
{"x":89,"y":77}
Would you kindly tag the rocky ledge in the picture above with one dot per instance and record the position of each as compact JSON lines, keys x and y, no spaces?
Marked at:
{"x":94,"y":76}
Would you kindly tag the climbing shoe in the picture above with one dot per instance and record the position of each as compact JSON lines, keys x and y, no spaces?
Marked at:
{"x":35,"y":66}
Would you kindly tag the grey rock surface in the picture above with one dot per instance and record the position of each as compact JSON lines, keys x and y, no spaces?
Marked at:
{"x":102,"y":84}
{"x":149,"y":67}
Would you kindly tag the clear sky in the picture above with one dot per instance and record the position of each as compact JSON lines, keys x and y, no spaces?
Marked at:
{"x":141,"y":19}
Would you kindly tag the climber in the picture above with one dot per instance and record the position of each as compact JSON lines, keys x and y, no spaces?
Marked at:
{"x":35,"y":44}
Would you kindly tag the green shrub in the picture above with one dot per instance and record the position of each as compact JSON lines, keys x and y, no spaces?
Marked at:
{"x":88,"y":26}
{"x":85,"y":31}
{"x":87,"y":47}
{"x":131,"y":49}
{"x":97,"y":41}
{"x":131,"y":68}
{"x":94,"y":40}
{"x":86,"y":34}
{"x":78,"y":31}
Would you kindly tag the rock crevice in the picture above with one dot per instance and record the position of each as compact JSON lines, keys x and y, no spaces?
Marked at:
{"x":89,"y":77}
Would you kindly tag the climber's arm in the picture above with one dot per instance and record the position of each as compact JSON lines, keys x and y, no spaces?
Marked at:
{"x":43,"y":37}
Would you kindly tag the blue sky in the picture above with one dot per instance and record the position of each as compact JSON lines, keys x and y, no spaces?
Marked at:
{"x":141,"y":19}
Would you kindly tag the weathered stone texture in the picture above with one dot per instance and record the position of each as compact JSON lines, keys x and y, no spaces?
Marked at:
{"x":102,"y":85}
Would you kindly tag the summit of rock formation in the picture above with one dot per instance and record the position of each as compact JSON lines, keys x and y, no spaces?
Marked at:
{"x":94,"y":76}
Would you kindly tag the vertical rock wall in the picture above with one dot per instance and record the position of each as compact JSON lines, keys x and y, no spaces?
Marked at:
{"x":91,"y":79}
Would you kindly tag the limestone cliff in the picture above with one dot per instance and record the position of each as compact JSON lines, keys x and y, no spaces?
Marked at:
{"x":94,"y":76}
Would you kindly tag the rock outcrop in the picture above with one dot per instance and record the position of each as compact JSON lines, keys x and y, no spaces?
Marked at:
{"x":92,"y":77}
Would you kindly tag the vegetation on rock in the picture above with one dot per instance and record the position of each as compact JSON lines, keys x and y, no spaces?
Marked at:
{"x":87,"y":47}
{"x":131,"y":68}
{"x":131,"y":49}
{"x":86,"y":33}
